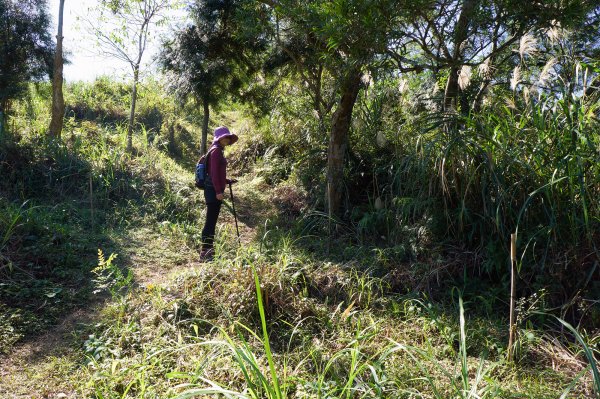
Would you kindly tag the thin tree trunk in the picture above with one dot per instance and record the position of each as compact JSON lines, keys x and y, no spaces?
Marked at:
{"x":205,"y":120}
{"x":136,"y":74}
{"x":172,"y":146}
{"x":451,"y":92}
{"x":338,"y":141}
{"x":460,"y":35}
{"x":464,"y":103}
{"x":318,"y":102}
{"x":4,"y":110}
{"x":58,"y":101}
{"x":483,"y":88}
{"x":1,"y":125}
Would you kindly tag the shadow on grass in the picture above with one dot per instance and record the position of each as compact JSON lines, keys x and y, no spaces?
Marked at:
{"x":400,"y":270}
{"x":51,"y":227}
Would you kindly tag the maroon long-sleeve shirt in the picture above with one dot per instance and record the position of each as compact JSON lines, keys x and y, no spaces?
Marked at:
{"x":217,"y":168}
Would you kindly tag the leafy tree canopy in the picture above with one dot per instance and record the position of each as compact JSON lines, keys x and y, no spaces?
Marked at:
{"x":26,"y":46}
{"x":217,"y":52}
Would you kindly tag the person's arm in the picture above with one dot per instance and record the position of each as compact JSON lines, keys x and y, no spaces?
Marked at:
{"x":218,"y":172}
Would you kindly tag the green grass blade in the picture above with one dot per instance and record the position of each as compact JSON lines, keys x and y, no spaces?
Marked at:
{"x":463,"y":347}
{"x":589,"y":354}
{"x":266,"y":344}
{"x":574,"y":382}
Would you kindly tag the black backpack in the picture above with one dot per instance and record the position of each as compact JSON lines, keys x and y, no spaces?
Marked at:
{"x":201,"y":170}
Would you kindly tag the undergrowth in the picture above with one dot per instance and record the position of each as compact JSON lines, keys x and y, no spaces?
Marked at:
{"x":265,"y":323}
{"x":304,"y":307}
{"x":60,"y":202}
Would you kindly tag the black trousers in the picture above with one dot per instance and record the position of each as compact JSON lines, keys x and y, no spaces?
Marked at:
{"x":213,"y":209}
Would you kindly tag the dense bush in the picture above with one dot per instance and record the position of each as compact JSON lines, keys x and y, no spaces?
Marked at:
{"x":528,"y":163}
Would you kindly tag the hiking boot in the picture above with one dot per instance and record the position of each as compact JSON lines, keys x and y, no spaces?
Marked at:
{"x":207,"y":255}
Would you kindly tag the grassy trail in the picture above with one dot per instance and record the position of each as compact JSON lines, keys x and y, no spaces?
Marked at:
{"x":42,"y":365}
{"x":337,"y":328}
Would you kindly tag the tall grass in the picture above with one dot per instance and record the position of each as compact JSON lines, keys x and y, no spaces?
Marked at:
{"x":259,"y":384}
{"x":589,"y":355}
{"x":462,"y":384}
{"x":532,"y":166}
{"x":10,"y":218}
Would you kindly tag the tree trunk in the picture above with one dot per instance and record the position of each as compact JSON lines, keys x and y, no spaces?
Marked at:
{"x":4,"y":110}
{"x":483,"y":90}
{"x":136,"y":74}
{"x":58,"y":101}
{"x":172,"y":146}
{"x":1,"y":125}
{"x":460,"y":35}
{"x":451,"y":92}
{"x":338,"y":141}
{"x":205,"y":120}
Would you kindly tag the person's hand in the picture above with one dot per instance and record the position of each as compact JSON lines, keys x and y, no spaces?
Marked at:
{"x":220,"y":197}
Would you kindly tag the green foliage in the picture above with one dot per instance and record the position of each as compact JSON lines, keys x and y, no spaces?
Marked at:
{"x":210,"y":58}
{"x":42,"y":264}
{"x":462,"y":384}
{"x":312,"y":306}
{"x":26,"y":47}
{"x":529,"y":168}
{"x":62,"y":200}
{"x":102,"y":101}
{"x":589,"y":355}
{"x":100,"y":108}
{"x":258,"y":383}
{"x":347,"y":350}
{"x":109,"y":276}
{"x":279,"y":316}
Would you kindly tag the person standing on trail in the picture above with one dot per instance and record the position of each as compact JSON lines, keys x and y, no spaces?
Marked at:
{"x":216,"y":182}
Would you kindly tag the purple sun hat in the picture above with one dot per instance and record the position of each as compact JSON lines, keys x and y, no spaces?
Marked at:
{"x":222,"y":132}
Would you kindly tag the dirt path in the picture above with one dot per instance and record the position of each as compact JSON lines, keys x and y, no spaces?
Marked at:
{"x":24,"y":372}
{"x":32,"y":368}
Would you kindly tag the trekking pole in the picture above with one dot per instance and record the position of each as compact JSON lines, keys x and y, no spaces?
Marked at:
{"x":234,"y":213}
